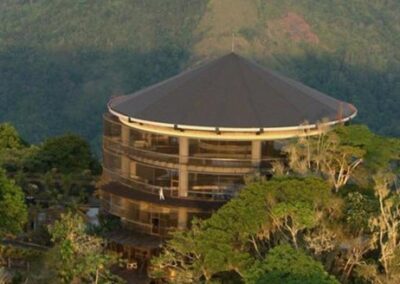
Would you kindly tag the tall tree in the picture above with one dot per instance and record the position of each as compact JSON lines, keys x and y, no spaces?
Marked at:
{"x":386,"y":225}
{"x":242,"y":231}
{"x":67,"y":154}
{"x":9,"y":137}
{"x":13,"y":211}
{"x":284,"y":264}
{"x":77,"y":256}
{"x":326,"y":155}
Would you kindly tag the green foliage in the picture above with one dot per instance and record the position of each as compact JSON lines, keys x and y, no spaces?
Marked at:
{"x":13,"y":211}
{"x":67,"y":154}
{"x":76,"y":255}
{"x":233,"y":239}
{"x":60,"y":171}
{"x":324,"y":155}
{"x":9,"y":138}
{"x":61,"y":73}
{"x":341,"y":155}
{"x":284,"y":264}
{"x":57,"y":75}
{"x":359,"y":208}
{"x":380,"y":151}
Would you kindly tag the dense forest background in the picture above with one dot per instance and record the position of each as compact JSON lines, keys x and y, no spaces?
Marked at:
{"x":60,"y":61}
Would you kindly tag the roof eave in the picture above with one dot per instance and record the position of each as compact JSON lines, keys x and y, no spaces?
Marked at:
{"x":233,"y":129}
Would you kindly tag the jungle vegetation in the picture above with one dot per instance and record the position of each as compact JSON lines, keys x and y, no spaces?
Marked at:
{"x":60,"y":61}
{"x":54,"y":179}
{"x":331,"y":214}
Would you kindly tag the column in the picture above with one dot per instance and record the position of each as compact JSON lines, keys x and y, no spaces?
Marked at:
{"x":125,"y":135}
{"x":256,"y":153}
{"x":132,"y":172}
{"x":183,"y":168}
{"x":125,"y":166}
{"x":125,"y":161}
{"x":182,"y":218}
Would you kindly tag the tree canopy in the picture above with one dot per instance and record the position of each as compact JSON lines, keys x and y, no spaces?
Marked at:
{"x":284,"y":264}
{"x":67,"y":154}
{"x":346,"y":50}
{"x":234,"y":238}
{"x":331,"y":213}
{"x":13,"y":211}
{"x":9,"y":137}
{"x":77,"y":256}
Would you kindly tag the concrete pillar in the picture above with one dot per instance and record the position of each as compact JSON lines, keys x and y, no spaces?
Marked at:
{"x":183,"y":169}
{"x":132,"y":172}
{"x":182,"y":218}
{"x":256,"y":153}
{"x":183,"y":181}
{"x":125,"y":166}
{"x":148,"y":140}
{"x":125,"y":135}
{"x":183,"y":150}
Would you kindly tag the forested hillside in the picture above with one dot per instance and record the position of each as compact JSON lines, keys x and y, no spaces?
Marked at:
{"x":60,"y":61}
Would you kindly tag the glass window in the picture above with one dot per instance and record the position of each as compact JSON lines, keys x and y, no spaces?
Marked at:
{"x":154,"y":142}
{"x":273,"y":149}
{"x":112,"y":127}
{"x":220,"y":149}
{"x":156,"y":176}
{"x":214,"y":186}
{"x":111,"y":161}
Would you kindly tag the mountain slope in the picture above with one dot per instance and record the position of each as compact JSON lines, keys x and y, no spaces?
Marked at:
{"x":60,"y":61}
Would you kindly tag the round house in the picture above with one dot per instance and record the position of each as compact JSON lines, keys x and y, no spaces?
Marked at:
{"x":183,"y":147}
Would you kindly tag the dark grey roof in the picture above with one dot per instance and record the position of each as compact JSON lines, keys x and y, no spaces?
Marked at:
{"x":233,"y":92}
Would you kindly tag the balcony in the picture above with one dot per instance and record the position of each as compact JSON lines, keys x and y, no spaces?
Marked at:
{"x":124,"y":190}
{"x":212,"y":192}
{"x":195,"y":164}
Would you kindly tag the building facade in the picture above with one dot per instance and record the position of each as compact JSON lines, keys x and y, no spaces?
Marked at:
{"x":182,"y":148}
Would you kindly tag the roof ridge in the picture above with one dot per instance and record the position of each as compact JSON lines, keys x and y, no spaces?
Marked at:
{"x":248,"y":98}
{"x":166,"y":95}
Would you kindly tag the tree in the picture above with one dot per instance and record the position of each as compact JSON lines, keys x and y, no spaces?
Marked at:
{"x":380,"y":151}
{"x":324,"y":154}
{"x":284,"y":264}
{"x":181,"y":260}
{"x":355,"y":234}
{"x":299,"y":204}
{"x":386,"y":225}
{"x":241,"y":232}
{"x":9,"y":138}
{"x":13,"y":150}
{"x":78,"y":256}
{"x":68,"y":154}
{"x":13,"y":211}
{"x":293,"y":217}
{"x":223,"y":243}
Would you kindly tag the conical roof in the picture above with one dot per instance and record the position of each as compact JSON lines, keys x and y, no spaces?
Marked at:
{"x":231,"y":92}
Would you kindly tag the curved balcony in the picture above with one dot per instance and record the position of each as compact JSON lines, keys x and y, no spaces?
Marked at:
{"x":215,"y":192}
{"x":195,"y":164}
{"x":138,"y":210}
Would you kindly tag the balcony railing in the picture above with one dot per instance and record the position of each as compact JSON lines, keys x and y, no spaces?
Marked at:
{"x":137,"y":225}
{"x":117,"y":147}
{"x":195,"y":192}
